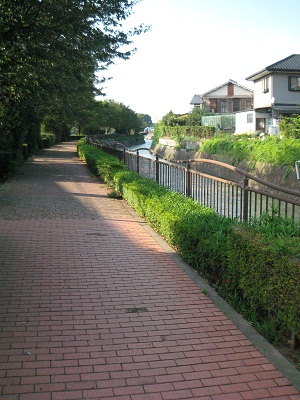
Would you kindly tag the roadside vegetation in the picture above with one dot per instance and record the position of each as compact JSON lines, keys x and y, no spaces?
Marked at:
{"x":254,"y":266}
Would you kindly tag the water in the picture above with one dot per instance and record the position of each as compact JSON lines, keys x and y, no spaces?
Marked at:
{"x":144,"y":153}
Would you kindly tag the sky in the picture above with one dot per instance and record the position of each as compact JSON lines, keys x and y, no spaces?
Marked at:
{"x":194,"y":46}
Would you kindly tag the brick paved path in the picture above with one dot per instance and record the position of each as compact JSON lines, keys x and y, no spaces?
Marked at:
{"x":92,"y":307}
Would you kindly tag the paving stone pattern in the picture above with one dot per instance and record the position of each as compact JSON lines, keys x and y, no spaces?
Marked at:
{"x":92,"y":307}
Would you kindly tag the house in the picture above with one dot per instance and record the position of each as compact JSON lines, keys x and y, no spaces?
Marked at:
{"x":230,"y":97}
{"x":252,"y":121}
{"x":276,"y":92}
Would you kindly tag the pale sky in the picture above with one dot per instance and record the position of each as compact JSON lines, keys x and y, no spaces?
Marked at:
{"x":197,"y":45}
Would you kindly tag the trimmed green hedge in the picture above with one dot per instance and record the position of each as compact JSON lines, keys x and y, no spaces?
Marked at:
{"x":270,"y":282}
{"x":239,"y":261}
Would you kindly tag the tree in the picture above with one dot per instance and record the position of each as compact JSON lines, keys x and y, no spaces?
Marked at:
{"x":109,"y":115}
{"x":51,"y":51}
{"x":195,"y":116}
{"x":146,"y":120}
{"x":169,"y":119}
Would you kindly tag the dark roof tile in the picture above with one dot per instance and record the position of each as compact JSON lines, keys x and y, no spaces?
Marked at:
{"x":291,"y":63}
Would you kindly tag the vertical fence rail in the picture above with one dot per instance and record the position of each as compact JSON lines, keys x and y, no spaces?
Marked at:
{"x":228,"y":198}
{"x":245,"y":199}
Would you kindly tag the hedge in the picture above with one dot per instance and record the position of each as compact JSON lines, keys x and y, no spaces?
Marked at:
{"x":237,"y":260}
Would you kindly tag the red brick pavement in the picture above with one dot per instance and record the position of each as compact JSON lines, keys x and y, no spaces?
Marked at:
{"x":92,"y":307}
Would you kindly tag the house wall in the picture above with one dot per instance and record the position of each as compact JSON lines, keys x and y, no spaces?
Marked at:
{"x":281,"y":91}
{"x":278,"y":89}
{"x":223,"y":91}
{"x":238,"y":91}
{"x":261,"y":99}
{"x":241,"y":124}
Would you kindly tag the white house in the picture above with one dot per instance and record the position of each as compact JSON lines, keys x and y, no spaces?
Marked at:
{"x":251,"y":121}
{"x":276,"y":93}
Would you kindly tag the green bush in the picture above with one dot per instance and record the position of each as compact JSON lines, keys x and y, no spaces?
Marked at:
{"x":48,"y":140}
{"x":244,"y":263}
{"x":270,"y":282}
{"x":290,"y":127}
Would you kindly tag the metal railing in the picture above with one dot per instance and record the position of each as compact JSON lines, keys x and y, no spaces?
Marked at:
{"x":234,"y":199}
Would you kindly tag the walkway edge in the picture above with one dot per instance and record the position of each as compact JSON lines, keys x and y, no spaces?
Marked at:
{"x":273,"y":355}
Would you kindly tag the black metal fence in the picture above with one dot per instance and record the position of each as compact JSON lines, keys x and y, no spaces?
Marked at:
{"x":243,"y":199}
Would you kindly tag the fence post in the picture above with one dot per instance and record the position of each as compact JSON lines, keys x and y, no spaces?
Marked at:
{"x":124,"y":156}
{"x":188,"y":190}
{"x":246,"y":199}
{"x":156,"y":169}
{"x":137,"y":162}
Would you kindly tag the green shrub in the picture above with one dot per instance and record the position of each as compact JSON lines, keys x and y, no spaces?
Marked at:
{"x":269,"y":282}
{"x":48,"y":140}
{"x":290,"y":127}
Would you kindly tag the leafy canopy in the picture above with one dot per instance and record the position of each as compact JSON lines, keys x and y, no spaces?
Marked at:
{"x":51,"y":54}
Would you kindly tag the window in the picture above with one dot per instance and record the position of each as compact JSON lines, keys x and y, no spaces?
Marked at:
{"x":242,"y":105}
{"x":265,"y":85}
{"x":248,"y":104}
{"x":294,"y":82}
{"x":249,"y":118}
{"x":224,"y":107}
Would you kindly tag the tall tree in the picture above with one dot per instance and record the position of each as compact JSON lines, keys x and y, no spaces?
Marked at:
{"x":51,"y":51}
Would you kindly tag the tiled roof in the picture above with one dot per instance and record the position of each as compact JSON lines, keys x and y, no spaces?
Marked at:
{"x":291,"y":63}
{"x":197,"y":99}
{"x":288,"y":64}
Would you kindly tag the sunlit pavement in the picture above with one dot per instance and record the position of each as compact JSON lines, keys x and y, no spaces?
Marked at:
{"x":94,"y":306}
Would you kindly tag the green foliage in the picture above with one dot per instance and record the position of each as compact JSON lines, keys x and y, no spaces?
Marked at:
{"x":158,"y":133}
{"x":169,"y":119}
{"x":51,"y":52}
{"x":272,"y":150}
{"x":290,"y":127}
{"x":109,"y":116}
{"x":48,"y":140}
{"x":145,"y":119}
{"x":193,"y":118}
{"x":200,"y":132}
{"x":269,"y":282}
